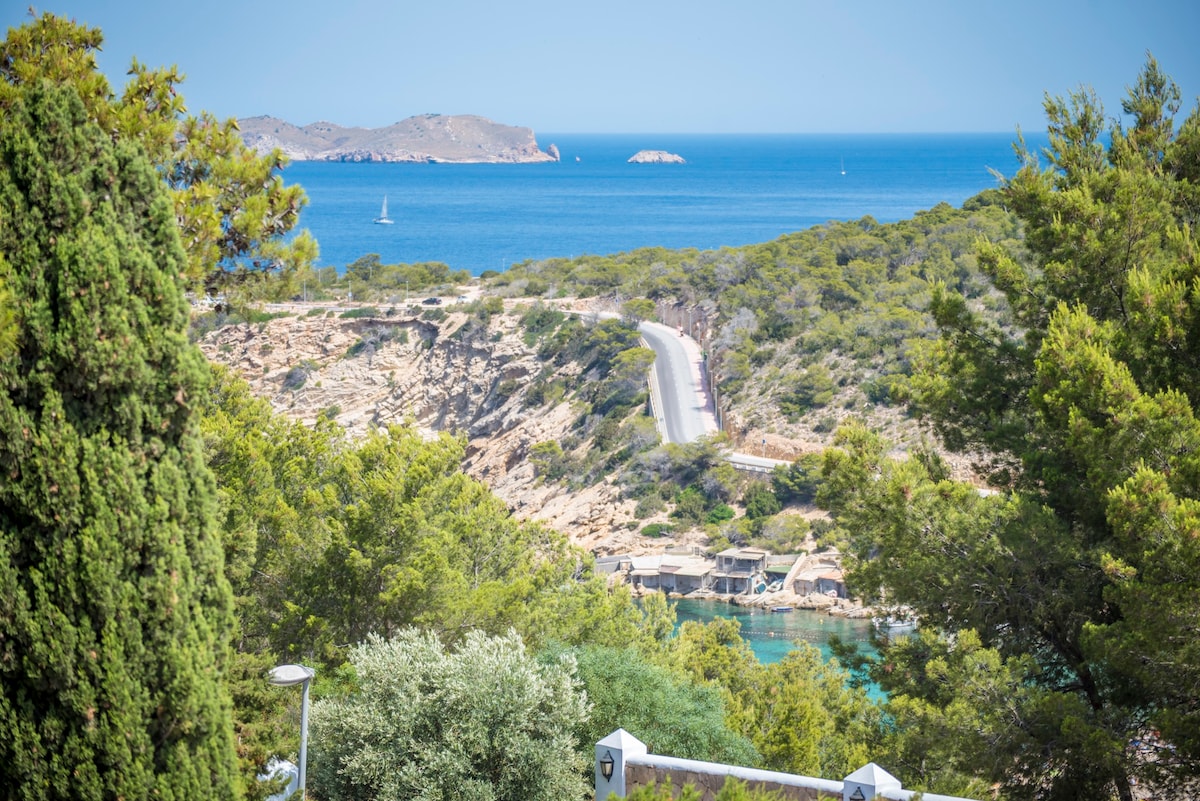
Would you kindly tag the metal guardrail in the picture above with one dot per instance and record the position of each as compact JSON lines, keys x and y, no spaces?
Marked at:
{"x":660,"y":421}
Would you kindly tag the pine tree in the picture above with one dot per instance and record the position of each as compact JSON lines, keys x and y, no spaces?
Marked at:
{"x":231,"y":205}
{"x":115,"y":615}
{"x":1071,"y":592}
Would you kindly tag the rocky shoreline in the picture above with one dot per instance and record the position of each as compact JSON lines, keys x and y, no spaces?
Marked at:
{"x":834,"y":607}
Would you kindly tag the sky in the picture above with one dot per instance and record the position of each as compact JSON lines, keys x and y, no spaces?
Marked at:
{"x":648,"y":66}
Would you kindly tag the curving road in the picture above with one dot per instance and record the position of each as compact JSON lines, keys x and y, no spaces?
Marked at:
{"x":683,"y":406}
{"x":682,"y":403}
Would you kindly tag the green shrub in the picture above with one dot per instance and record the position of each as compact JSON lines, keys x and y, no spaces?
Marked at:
{"x":826,"y":425}
{"x":690,"y":506}
{"x":549,"y":461}
{"x":428,"y":721}
{"x":719,"y":514}
{"x":505,"y":389}
{"x":760,"y":501}
{"x":295,"y":378}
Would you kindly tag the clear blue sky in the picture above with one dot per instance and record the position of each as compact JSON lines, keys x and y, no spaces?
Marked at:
{"x":648,"y":66}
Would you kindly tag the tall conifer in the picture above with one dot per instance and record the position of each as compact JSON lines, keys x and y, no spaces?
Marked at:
{"x":114,"y":612}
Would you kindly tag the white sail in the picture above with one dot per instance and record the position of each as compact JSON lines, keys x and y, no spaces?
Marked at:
{"x":383,"y":219}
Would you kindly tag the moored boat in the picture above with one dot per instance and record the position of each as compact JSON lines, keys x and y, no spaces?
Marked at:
{"x":894,"y":625}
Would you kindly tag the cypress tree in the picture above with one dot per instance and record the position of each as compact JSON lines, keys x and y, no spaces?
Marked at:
{"x":115,"y":616}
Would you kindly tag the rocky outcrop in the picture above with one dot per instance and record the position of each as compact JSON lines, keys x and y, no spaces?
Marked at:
{"x":434,"y":138}
{"x":456,"y":375}
{"x":655,"y":157}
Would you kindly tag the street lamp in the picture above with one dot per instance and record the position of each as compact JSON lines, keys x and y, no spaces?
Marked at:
{"x":290,"y":676}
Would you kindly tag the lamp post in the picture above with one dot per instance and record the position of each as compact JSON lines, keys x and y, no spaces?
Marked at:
{"x":290,"y":676}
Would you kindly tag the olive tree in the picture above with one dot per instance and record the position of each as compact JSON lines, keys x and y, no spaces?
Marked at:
{"x":486,"y":721}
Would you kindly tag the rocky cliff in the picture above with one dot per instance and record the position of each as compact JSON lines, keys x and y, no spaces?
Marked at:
{"x":455,"y":374}
{"x":461,"y":139}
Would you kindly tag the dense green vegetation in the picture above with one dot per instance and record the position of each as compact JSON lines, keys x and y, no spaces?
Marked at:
{"x":330,"y":538}
{"x":115,"y":615}
{"x":1067,"y":665}
{"x":816,"y":323}
{"x":486,"y":720}
{"x":166,"y":537}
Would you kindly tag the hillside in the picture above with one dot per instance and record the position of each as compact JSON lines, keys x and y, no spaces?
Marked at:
{"x":437,"y":138}
{"x":802,"y":335}
{"x":810,"y":330}
{"x":445,"y":371}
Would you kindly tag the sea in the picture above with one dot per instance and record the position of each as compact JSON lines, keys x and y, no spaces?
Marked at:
{"x":733,"y":190}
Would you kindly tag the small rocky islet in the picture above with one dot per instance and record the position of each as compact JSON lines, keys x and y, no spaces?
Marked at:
{"x":656,"y":157}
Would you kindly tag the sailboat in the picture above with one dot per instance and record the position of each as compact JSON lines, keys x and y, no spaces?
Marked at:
{"x":383,"y":219}
{"x":843,"y":166}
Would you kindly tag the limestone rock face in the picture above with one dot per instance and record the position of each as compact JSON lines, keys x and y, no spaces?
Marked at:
{"x":437,"y":138}
{"x":453,"y":374}
{"x":655,"y":157}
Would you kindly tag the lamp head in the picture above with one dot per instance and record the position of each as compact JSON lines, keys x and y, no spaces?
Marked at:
{"x":289,"y":675}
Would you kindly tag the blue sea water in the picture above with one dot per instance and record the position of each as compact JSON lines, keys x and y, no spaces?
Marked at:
{"x":734,"y":190}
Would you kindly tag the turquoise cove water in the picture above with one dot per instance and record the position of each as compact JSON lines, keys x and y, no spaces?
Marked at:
{"x":772,"y":634}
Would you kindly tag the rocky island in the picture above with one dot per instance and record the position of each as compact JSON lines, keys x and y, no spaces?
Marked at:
{"x":655,"y":157}
{"x":432,"y":138}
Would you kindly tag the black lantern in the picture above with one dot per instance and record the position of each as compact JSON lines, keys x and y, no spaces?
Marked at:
{"x":606,"y":765}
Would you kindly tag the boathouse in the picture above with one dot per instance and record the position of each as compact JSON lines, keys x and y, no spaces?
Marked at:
{"x":737,"y":568}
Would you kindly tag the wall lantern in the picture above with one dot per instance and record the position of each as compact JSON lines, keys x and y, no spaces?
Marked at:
{"x":606,"y":765}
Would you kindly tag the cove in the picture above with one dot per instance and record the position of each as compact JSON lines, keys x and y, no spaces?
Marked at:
{"x":770,"y":635}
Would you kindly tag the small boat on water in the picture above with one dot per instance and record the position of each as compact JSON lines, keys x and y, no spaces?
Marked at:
{"x":781,"y":608}
{"x":894,"y":625}
{"x":383,"y":219}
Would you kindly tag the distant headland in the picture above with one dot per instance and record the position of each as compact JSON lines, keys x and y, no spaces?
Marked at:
{"x":431,"y":138}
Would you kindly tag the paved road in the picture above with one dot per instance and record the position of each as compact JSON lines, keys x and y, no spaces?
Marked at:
{"x":684,"y":408}
{"x":682,"y":404}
